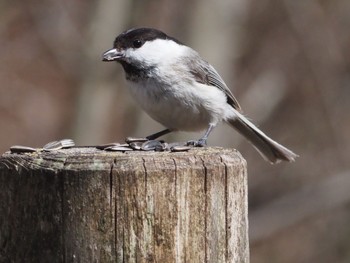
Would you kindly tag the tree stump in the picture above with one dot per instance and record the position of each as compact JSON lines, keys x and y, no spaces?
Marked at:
{"x":87,"y":205}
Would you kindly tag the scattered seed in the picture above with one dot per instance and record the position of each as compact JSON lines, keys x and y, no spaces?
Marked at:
{"x":161,"y":147}
{"x":67,"y":143}
{"x":104,"y":146}
{"x":133,"y":139}
{"x":118,"y":148}
{"x":150,"y":145}
{"x":180,"y":148}
{"x":57,"y":145}
{"x":22,"y":149}
{"x":136,"y":145}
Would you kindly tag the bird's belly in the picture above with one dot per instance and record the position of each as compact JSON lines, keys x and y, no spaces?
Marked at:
{"x":171,"y":109}
{"x":178,"y":116}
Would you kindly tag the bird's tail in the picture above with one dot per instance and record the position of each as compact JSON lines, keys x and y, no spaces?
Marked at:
{"x":268,"y":148}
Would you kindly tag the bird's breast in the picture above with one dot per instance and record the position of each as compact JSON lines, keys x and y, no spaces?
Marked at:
{"x":172,"y":105}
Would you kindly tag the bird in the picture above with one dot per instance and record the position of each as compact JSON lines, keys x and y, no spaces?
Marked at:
{"x":176,"y":87}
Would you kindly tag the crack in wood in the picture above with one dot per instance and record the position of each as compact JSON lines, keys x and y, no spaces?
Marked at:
{"x":205,"y":209}
{"x":193,"y":193}
{"x":226,"y":210}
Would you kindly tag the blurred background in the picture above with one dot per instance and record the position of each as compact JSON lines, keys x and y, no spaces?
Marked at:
{"x":286,"y":61}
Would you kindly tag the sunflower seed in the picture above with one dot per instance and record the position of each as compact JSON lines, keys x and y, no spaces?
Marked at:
{"x":150,"y":145}
{"x":118,"y":148}
{"x":133,"y":139}
{"x":104,"y":146}
{"x":22,"y":149}
{"x":136,"y":145}
{"x":180,"y":148}
{"x":162,"y":147}
{"x":57,"y":145}
{"x":67,"y":143}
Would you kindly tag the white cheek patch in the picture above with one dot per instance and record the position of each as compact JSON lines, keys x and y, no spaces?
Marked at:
{"x":158,"y":51}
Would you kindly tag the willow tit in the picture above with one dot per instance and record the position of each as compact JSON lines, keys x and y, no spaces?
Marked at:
{"x":183,"y":92}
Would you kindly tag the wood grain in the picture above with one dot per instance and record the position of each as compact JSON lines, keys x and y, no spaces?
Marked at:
{"x":86,"y":205}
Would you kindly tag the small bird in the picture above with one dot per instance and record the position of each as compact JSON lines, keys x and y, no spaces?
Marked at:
{"x":183,"y":92}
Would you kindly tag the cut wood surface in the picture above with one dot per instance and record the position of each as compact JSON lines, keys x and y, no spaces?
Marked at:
{"x":87,"y":205}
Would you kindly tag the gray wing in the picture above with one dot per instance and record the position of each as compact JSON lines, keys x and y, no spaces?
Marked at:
{"x":206,"y":74}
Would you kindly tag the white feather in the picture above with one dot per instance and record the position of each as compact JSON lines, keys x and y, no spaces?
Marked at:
{"x":170,"y":95}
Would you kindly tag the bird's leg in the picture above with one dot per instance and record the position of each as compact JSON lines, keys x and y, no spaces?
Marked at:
{"x":158,"y":134}
{"x":202,"y":141}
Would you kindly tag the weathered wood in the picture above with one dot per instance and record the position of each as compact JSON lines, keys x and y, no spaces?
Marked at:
{"x":86,"y":205}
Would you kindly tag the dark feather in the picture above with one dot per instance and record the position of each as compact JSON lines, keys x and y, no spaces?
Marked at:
{"x":206,"y":74}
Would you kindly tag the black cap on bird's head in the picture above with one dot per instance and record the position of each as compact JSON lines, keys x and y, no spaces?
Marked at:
{"x":133,"y":38}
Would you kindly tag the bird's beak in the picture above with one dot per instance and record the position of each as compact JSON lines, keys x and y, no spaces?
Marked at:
{"x":112,"y":55}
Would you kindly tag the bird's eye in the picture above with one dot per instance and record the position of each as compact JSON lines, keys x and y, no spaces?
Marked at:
{"x":137,"y":43}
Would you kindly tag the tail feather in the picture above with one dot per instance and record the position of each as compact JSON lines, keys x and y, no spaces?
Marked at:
{"x":268,"y":148}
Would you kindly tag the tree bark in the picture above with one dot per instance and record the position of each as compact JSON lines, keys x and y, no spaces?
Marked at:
{"x":86,"y":205}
